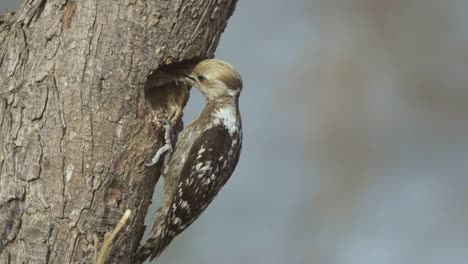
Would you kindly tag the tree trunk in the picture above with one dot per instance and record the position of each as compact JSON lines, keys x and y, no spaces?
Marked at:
{"x":77,"y":117}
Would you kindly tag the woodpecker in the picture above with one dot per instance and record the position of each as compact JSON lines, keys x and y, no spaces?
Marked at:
{"x":205,"y":155}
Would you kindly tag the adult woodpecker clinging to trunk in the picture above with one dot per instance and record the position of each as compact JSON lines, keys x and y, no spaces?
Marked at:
{"x":205,"y":155}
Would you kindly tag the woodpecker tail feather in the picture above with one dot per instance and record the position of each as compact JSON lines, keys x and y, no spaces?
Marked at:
{"x":152,"y":249}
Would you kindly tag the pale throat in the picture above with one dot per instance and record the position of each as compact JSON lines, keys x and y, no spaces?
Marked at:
{"x":227,"y":116}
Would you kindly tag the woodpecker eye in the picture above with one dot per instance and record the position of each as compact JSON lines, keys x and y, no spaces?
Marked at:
{"x":201,"y":78}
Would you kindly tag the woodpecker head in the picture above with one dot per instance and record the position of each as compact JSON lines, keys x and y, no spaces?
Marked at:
{"x":216,"y":79}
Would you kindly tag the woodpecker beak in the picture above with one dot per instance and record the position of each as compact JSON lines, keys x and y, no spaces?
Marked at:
{"x":188,"y":77}
{"x":191,"y":80}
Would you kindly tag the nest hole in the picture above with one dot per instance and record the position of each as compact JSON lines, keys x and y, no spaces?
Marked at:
{"x":164,"y":91}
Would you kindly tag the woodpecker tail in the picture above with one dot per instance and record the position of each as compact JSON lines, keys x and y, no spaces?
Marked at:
{"x":152,"y":248}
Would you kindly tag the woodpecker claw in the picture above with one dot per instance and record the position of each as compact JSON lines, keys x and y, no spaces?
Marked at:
{"x":167,"y":140}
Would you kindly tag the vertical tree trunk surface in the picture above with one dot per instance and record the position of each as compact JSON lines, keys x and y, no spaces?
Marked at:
{"x":76,"y":117}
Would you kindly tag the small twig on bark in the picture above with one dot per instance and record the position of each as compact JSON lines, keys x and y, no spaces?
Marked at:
{"x":108,"y":240}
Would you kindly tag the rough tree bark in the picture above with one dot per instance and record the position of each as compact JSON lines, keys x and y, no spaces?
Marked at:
{"x":76,"y":116}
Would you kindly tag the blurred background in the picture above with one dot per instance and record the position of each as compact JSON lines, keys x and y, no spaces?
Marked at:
{"x":356,"y":136}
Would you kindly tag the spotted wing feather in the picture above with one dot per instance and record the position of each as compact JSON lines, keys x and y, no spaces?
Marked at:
{"x":210,"y":163}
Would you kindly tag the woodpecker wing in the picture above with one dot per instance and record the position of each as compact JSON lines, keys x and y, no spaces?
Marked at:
{"x":210,"y":163}
{"x":211,"y":160}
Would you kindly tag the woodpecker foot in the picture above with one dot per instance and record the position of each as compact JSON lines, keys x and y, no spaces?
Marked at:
{"x":167,"y":146}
